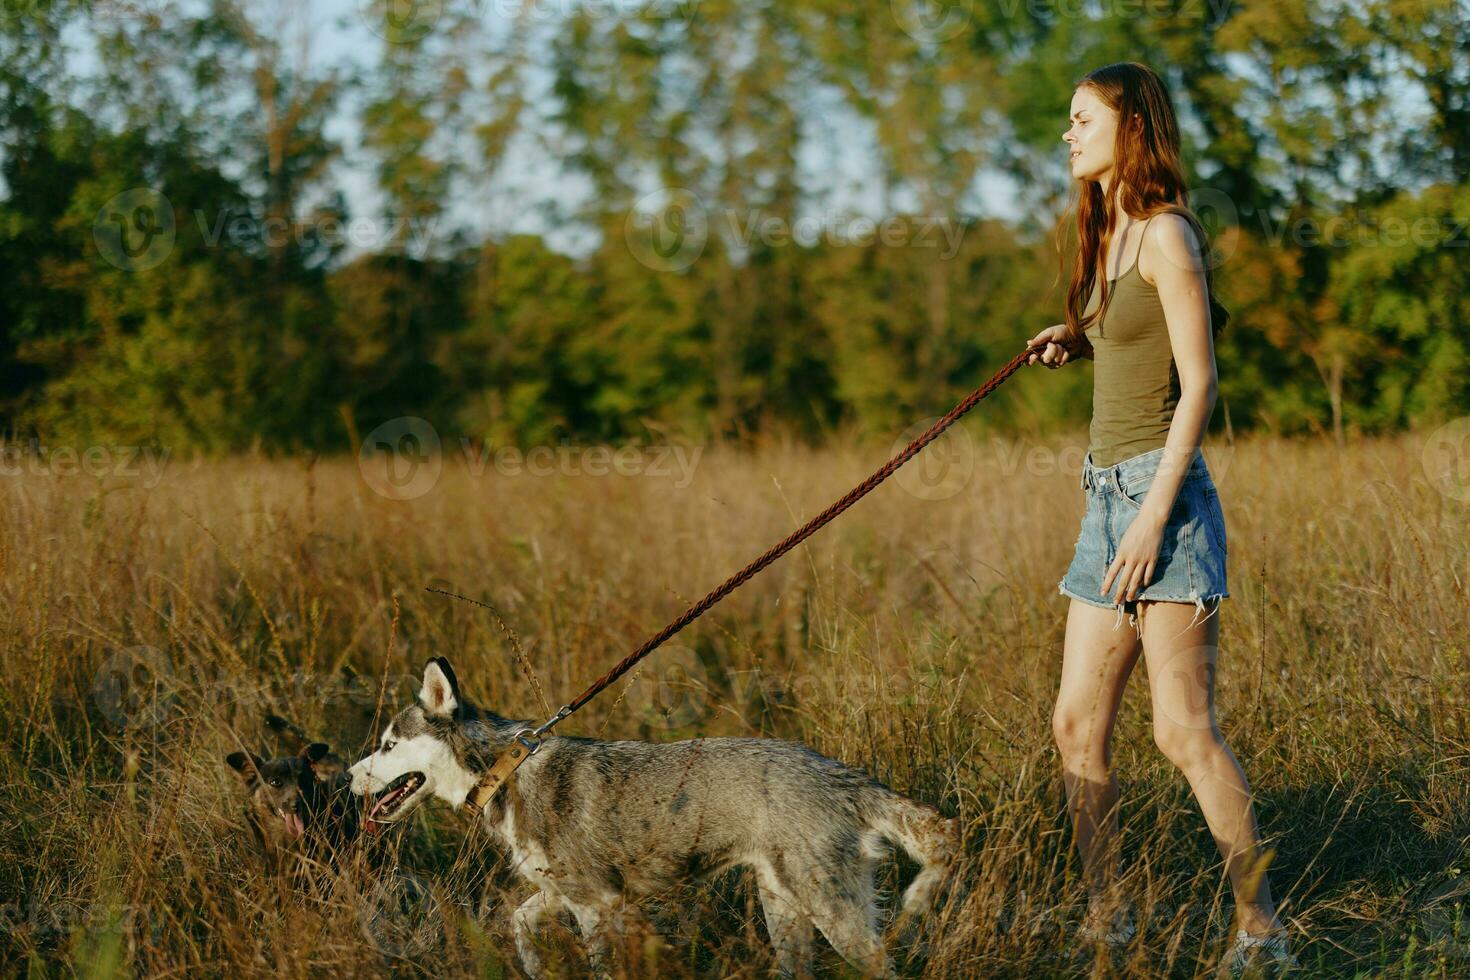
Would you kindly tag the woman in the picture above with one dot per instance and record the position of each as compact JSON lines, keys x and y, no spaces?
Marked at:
{"x":1152,"y":543}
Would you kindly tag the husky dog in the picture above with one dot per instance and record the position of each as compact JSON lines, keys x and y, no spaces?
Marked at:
{"x":298,"y":803}
{"x":591,"y":823}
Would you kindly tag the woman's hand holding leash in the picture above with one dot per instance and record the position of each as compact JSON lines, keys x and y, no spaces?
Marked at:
{"x":1056,"y":354}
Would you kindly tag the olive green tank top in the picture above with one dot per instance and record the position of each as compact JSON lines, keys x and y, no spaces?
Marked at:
{"x":1135,"y":384}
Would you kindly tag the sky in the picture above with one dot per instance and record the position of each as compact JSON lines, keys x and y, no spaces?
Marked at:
{"x":837,"y":158}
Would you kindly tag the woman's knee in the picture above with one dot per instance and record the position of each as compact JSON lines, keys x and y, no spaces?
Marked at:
{"x":1078,"y":732}
{"x":1188,"y":747}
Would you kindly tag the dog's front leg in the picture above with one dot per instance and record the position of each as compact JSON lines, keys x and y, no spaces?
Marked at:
{"x":593,"y":922}
{"x":526,"y":918}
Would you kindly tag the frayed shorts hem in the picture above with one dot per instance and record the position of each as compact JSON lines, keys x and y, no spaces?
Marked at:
{"x":1091,"y":602}
{"x":1130,"y":606}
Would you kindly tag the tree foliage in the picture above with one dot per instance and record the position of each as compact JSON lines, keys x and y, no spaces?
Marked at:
{"x":712,"y":157}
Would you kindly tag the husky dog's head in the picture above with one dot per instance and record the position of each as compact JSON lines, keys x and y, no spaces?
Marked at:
{"x":282,"y":791}
{"x":437,"y":746}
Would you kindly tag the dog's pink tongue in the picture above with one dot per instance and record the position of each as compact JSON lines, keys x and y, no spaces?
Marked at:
{"x":369,"y":823}
{"x":294,"y":824}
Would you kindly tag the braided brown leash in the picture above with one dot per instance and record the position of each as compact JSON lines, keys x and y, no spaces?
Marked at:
{"x":795,"y":538}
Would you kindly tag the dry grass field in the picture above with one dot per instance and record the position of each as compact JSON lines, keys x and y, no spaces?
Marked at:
{"x":151,"y":619}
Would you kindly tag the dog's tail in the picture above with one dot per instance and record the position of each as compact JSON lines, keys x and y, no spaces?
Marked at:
{"x":930,"y":839}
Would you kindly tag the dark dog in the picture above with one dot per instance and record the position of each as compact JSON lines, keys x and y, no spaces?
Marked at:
{"x":299,"y":804}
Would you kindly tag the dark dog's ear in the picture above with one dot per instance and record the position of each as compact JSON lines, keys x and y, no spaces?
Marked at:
{"x":439,"y":696}
{"x":321,"y":762}
{"x":247,"y":766}
{"x":288,"y":733}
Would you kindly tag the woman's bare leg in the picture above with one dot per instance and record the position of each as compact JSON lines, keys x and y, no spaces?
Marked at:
{"x":1181,"y":678}
{"x":1096,"y":662}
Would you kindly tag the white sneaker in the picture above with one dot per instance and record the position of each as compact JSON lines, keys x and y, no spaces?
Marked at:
{"x":1247,"y":952}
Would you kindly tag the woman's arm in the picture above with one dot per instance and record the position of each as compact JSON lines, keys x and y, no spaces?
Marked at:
{"x":1172,"y":255}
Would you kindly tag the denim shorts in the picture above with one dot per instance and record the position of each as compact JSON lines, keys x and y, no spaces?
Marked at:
{"x":1191,"y":561}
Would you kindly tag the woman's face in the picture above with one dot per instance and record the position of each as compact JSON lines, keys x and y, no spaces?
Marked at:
{"x":1090,"y":140}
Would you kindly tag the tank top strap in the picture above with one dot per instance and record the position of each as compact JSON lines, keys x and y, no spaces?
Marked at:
{"x":1139,"y":253}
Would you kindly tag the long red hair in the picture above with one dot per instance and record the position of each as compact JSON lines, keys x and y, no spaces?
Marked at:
{"x":1148,"y":177}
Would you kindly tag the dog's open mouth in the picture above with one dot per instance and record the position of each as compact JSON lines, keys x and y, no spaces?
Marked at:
{"x":294,"y":824}
{"x":387,"y":803}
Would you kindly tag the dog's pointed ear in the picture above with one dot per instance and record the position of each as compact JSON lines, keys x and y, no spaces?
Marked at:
{"x":443,"y":663}
{"x":248,"y":766}
{"x":440,"y":694}
{"x":289,"y":735}
{"x":320,"y":761}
